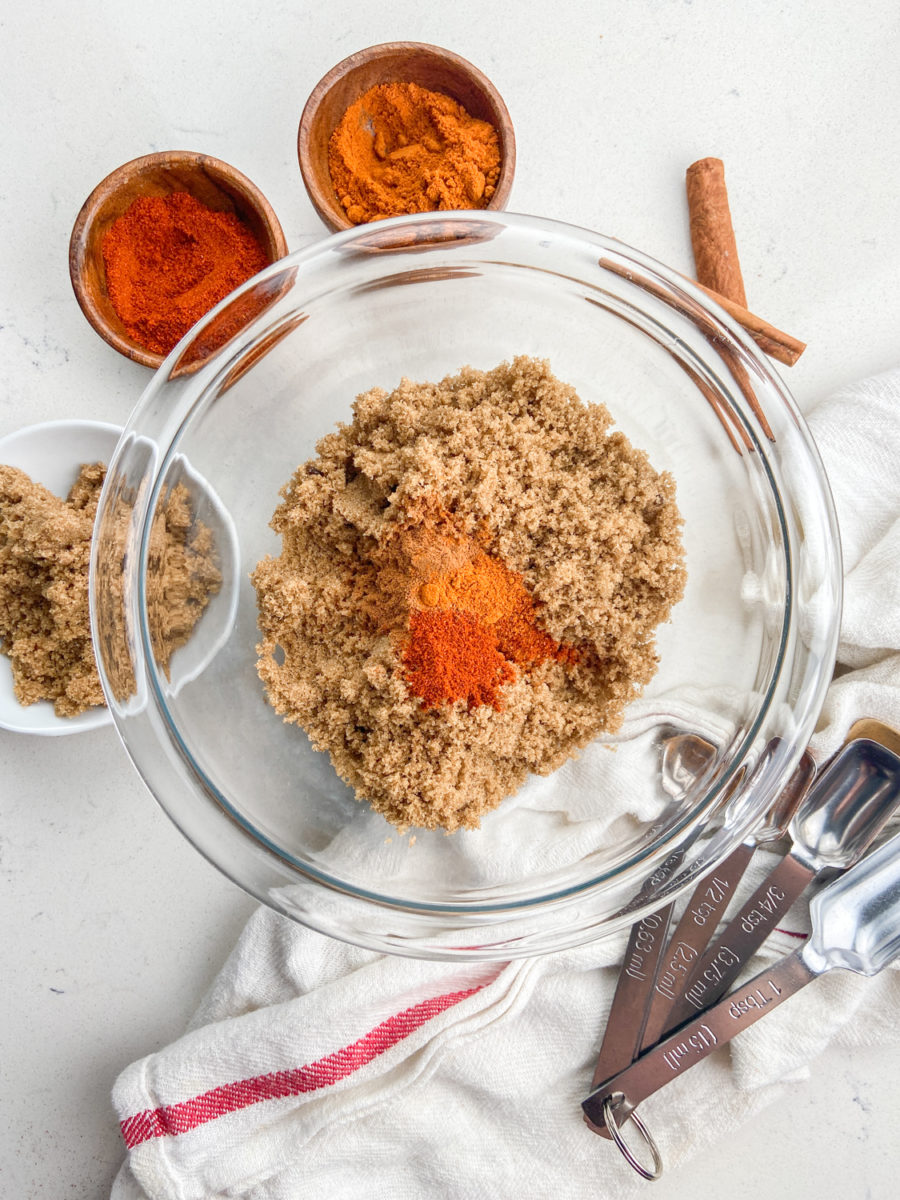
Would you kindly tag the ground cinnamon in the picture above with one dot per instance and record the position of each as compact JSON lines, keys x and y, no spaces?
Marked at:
{"x":402,"y":148}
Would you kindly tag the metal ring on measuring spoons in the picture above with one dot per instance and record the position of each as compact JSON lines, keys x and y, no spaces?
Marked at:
{"x":609,"y":1121}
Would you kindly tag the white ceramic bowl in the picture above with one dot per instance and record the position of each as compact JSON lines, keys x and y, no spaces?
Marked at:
{"x":52,"y":454}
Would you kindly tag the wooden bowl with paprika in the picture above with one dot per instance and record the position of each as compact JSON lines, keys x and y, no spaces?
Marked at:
{"x":389,"y":158}
{"x":163,"y":239}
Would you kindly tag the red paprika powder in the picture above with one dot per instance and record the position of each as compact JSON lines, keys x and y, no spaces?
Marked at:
{"x":453,"y":656}
{"x":169,"y":260}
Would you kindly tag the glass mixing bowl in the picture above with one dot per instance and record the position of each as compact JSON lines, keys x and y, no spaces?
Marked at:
{"x":744,"y":662}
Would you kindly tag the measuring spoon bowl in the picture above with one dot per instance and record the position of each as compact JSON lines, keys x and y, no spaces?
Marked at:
{"x":777,"y":821}
{"x":847,"y":807}
{"x":685,"y":757}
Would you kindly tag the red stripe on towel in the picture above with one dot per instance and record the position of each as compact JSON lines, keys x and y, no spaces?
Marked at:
{"x":173,"y":1119}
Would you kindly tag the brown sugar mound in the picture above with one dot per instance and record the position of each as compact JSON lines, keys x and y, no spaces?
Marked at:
{"x":392,"y":524}
{"x":45,"y":546}
{"x":401,"y":148}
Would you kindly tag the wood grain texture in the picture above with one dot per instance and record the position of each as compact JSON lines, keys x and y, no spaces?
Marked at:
{"x":395,"y":62}
{"x":214,"y":183}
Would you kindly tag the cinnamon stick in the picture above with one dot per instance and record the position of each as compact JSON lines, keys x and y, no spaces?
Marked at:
{"x":712,"y":234}
{"x":774,"y":342}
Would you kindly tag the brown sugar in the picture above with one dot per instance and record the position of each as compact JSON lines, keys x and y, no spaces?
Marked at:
{"x":401,"y":148}
{"x":45,"y":546}
{"x":182,"y":575}
{"x":471,"y":577}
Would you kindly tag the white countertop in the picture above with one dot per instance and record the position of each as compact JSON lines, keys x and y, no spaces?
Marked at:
{"x":112,"y":926}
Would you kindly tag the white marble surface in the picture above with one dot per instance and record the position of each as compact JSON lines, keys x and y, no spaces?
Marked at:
{"x":112,"y":926}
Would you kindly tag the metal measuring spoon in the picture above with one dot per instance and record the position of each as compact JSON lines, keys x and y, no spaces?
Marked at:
{"x":837,"y":821}
{"x":875,"y":731}
{"x":712,"y":896}
{"x":625,"y":1023}
{"x":855,"y":927}
{"x":684,"y":757}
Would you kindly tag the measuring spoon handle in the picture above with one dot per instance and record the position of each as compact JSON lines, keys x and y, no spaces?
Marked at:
{"x":624,"y":1026}
{"x":682,"y":1050}
{"x":625,"y":1023}
{"x":692,"y":935}
{"x":726,"y":958}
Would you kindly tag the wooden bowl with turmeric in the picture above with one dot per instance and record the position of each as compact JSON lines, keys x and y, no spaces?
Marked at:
{"x":404,"y":127}
{"x":162,"y":240}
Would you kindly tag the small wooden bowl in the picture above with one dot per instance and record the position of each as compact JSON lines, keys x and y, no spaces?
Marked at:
{"x":209,"y":180}
{"x":395,"y":62}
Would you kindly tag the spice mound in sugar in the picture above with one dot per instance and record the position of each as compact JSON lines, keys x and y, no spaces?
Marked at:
{"x":169,"y":260}
{"x":401,"y":148}
{"x":45,"y":546}
{"x":470,"y":580}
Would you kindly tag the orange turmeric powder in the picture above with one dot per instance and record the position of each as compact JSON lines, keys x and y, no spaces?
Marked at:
{"x":404,"y":149}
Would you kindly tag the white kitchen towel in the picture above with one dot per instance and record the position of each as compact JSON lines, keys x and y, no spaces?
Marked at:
{"x":317,"y":1069}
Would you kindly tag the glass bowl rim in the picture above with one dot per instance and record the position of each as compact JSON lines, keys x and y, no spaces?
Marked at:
{"x":646,"y":857}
